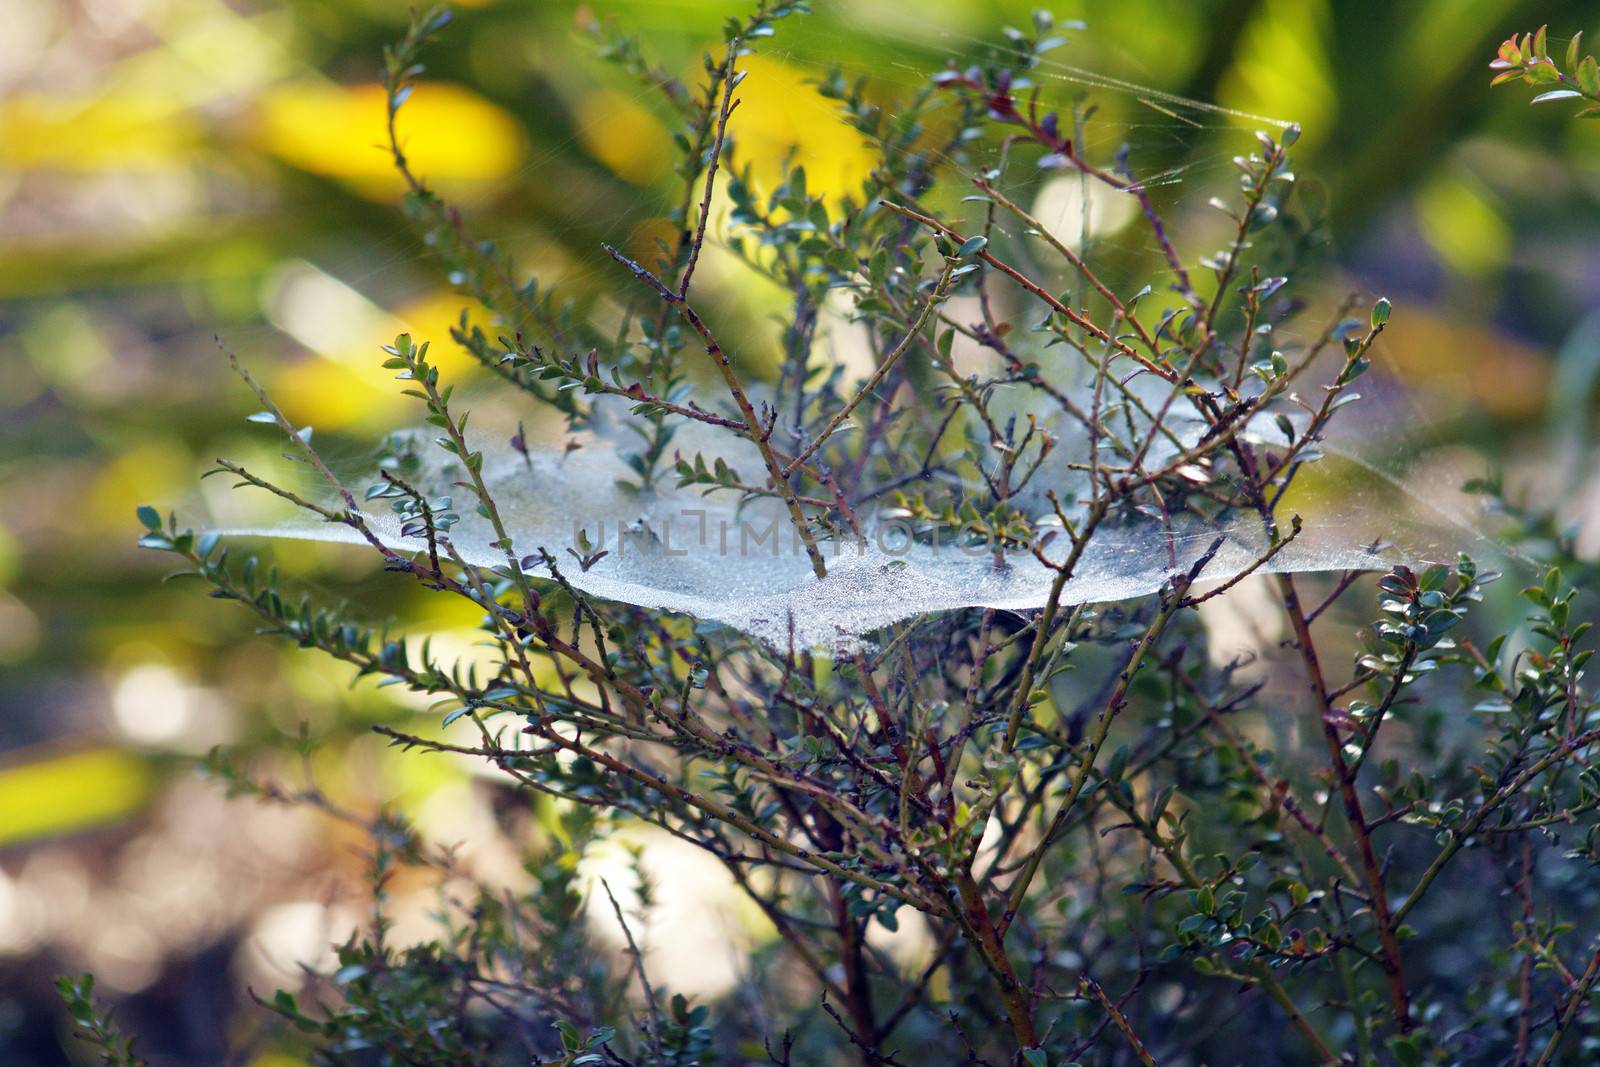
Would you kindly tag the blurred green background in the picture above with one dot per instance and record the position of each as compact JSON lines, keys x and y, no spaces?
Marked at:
{"x":174,"y":169}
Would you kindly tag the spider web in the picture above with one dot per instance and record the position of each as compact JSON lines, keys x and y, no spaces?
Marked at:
{"x":736,"y":563}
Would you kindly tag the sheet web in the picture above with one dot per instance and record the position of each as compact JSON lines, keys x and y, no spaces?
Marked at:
{"x":737,"y":562}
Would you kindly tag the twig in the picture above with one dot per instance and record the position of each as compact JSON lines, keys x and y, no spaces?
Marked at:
{"x":644,"y":981}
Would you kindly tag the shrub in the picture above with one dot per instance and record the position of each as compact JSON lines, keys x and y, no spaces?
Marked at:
{"x":1378,"y":852}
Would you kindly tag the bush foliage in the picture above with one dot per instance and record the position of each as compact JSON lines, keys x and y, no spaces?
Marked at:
{"x":1373,"y":852}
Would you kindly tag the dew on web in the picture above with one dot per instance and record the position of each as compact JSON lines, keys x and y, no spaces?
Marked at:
{"x":739,"y":564}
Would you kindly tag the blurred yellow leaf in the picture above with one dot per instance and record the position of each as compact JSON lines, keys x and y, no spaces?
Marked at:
{"x":333,"y":396}
{"x":159,"y":469}
{"x":623,"y":135}
{"x":455,"y":139}
{"x":348,"y":386}
{"x":10,"y":554}
{"x":123,"y":132}
{"x":278,"y":1059}
{"x":70,"y":792}
{"x":1283,"y":68}
{"x":1462,"y":225}
{"x":780,"y":113}
{"x":430,"y":318}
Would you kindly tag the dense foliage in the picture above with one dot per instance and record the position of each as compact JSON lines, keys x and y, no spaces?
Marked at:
{"x":1121,"y":850}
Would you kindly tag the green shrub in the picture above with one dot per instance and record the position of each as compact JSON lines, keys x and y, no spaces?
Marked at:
{"x":1373,"y":852}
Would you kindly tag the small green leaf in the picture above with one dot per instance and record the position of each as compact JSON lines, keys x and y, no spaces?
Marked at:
{"x":1380,"y":313}
{"x":1406,"y":1051}
{"x":1588,"y":75}
{"x":149,"y":516}
{"x":1556,"y":94}
{"x":972,"y":246}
